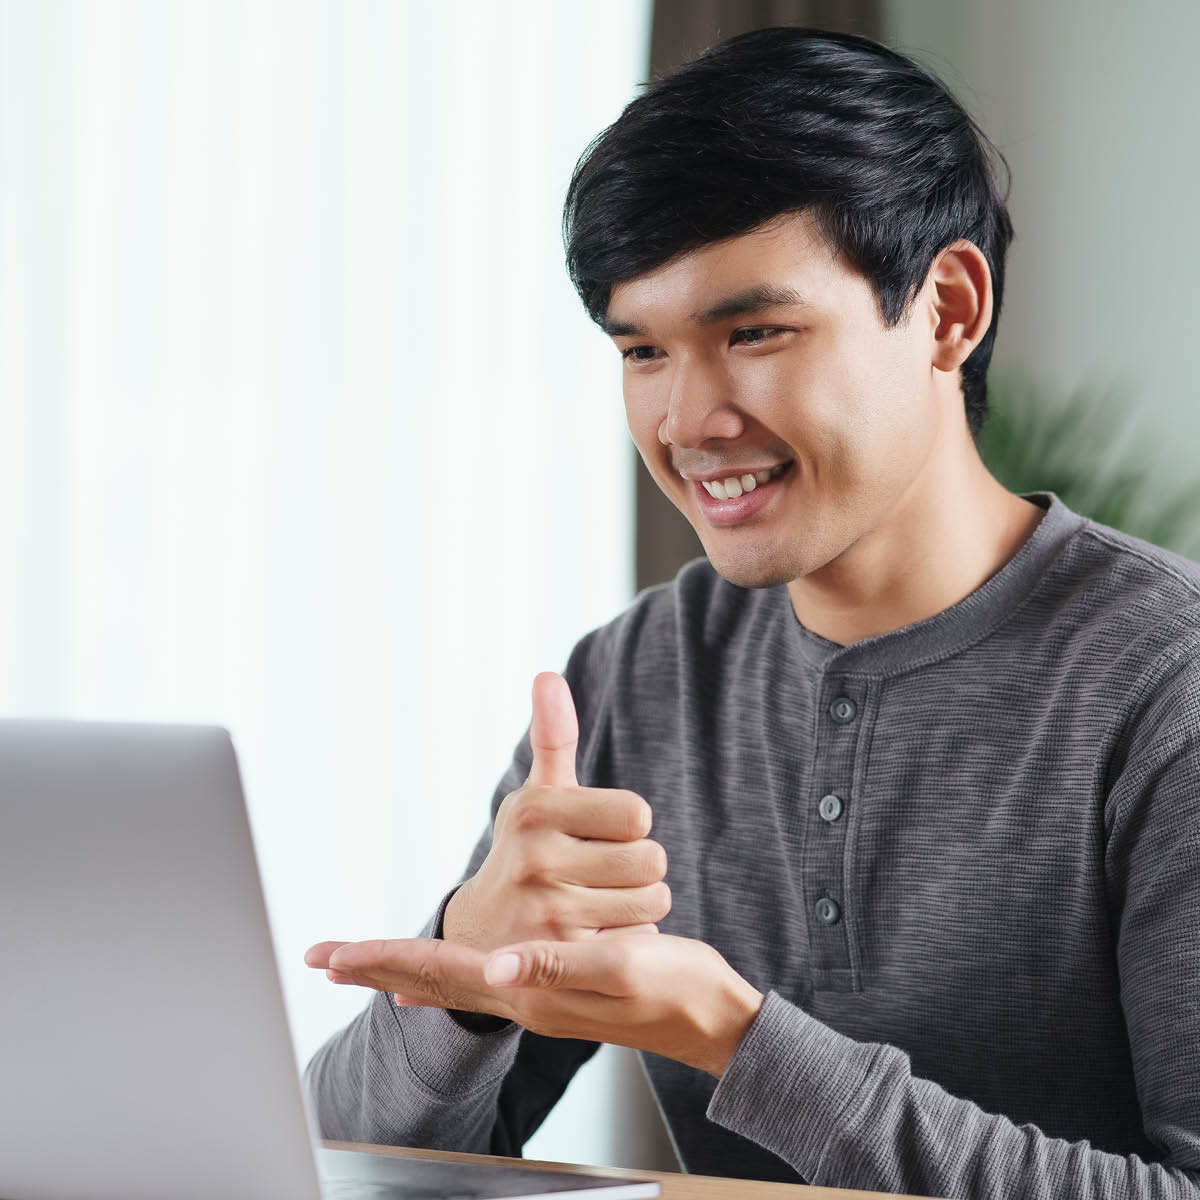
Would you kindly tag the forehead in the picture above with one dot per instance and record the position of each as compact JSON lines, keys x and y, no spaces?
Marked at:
{"x":788,"y":251}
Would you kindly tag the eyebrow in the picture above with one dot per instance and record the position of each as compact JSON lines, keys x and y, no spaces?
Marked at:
{"x":744,"y":303}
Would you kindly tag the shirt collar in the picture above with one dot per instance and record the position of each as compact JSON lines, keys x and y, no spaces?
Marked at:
{"x":970,"y":619}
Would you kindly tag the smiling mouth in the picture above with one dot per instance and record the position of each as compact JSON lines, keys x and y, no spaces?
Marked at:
{"x":744,"y":509}
{"x":733,"y":486}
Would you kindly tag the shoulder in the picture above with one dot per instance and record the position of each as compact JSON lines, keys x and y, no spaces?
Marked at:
{"x":1142,"y":565}
{"x":1137,"y":627}
{"x":1117,"y":600}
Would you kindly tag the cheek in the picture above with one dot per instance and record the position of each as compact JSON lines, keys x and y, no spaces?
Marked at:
{"x":888,"y":432}
{"x":643,"y":415}
{"x":855,"y":425}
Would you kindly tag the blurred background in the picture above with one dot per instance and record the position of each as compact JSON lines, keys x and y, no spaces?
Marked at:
{"x":304,"y":432}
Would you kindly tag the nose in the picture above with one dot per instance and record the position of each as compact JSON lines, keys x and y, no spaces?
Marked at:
{"x":698,"y":407}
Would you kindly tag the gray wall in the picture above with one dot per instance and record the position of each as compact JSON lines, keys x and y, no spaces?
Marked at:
{"x":1095,"y":106}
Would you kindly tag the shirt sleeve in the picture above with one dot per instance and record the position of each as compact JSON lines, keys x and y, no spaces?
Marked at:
{"x":851,"y":1114}
{"x":437,"y":1079}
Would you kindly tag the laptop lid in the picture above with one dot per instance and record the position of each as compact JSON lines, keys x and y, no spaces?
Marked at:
{"x":143,"y":1034}
{"x":145,"y":1052}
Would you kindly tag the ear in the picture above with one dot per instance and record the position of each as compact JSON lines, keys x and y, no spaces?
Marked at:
{"x":961,"y":305}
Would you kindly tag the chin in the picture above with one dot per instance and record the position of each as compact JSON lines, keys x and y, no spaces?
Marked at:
{"x":761,"y":570}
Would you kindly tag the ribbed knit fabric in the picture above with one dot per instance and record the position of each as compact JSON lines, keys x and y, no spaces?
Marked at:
{"x":981,"y":962}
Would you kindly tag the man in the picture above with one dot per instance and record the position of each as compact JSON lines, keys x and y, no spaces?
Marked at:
{"x":923,"y":756}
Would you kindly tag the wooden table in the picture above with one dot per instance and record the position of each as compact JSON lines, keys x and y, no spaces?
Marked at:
{"x":674,"y":1185}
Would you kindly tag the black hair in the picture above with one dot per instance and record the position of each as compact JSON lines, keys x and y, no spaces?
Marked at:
{"x":777,"y":121}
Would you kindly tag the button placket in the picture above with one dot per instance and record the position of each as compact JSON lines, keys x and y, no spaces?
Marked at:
{"x":836,"y":747}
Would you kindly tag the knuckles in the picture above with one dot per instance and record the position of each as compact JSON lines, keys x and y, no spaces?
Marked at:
{"x":527,"y":813}
{"x":651,"y":906}
{"x":531,"y":808}
{"x":638,"y":863}
{"x":559,"y":919}
{"x":546,"y":968}
{"x":526,"y":865}
{"x":534,"y":868}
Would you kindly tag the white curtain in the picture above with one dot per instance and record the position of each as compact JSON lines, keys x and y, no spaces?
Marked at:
{"x":303,"y":430}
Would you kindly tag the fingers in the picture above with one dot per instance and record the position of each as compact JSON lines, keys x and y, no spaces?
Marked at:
{"x":318,"y":955}
{"x":424,"y":970}
{"x":621,"y":930}
{"x":600,"y":863}
{"x":604,"y":965}
{"x":611,"y":814}
{"x":400,"y":999}
{"x":405,"y":955}
{"x":553,"y":733}
{"x":603,"y":908}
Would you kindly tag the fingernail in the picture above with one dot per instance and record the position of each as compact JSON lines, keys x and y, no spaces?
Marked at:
{"x":504,"y":968}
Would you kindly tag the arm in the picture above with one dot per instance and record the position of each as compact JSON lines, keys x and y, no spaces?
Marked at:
{"x":851,"y":1114}
{"x":421,"y":1077}
{"x":442,"y":1079}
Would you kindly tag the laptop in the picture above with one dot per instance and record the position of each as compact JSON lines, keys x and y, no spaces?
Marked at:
{"x":145,"y":1052}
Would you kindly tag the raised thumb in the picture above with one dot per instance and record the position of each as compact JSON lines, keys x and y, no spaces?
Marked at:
{"x":553,"y":732}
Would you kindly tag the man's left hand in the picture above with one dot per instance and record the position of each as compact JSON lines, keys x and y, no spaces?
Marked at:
{"x":669,"y":995}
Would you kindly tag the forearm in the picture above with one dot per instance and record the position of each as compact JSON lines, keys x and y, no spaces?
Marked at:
{"x":850,"y":1114}
{"x":411,"y":1076}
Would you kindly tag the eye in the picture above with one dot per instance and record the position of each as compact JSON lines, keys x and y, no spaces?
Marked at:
{"x":632,"y":354}
{"x":756,"y":335}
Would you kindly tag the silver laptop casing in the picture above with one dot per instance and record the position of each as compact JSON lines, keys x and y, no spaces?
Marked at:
{"x":145,"y":1052}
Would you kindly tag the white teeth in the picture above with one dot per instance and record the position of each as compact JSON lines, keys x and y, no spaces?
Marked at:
{"x":731,"y":488}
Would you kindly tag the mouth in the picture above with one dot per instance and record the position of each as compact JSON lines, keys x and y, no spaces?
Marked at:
{"x":734,"y":510}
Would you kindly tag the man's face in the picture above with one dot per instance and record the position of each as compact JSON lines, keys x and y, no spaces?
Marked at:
{"x":751,"y":384}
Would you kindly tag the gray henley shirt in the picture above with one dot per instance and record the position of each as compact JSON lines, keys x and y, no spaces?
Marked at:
{"x":960,"y":859}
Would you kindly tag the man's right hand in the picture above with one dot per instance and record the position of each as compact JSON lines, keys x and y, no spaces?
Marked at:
{"x":566,"y":862}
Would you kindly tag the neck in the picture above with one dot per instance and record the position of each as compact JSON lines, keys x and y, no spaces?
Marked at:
{"x":952,"y":530}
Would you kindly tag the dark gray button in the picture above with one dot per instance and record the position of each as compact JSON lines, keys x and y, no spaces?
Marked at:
{"x":830,"y":807}
{"x":843,"y":709}
{"x":828,"y":910}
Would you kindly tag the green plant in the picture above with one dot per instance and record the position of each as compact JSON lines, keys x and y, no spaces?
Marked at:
{"x":1035,"y":440}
